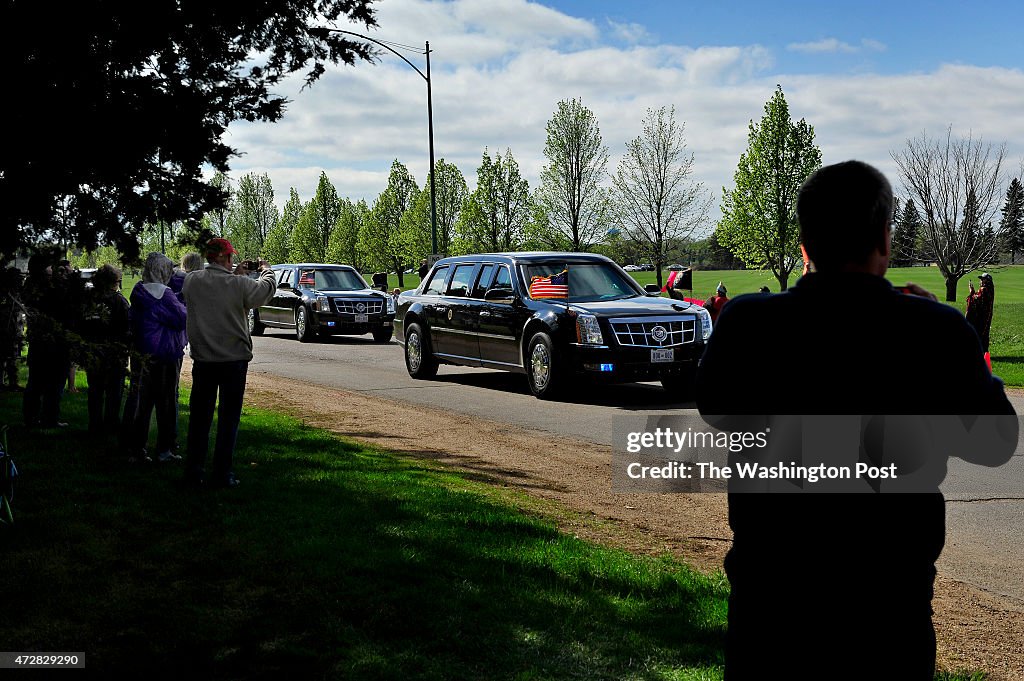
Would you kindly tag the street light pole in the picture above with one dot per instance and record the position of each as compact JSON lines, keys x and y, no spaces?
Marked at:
{"x":430,"y":131}
{"x":430,"y":123}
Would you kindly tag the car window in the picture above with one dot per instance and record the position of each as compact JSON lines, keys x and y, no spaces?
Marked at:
{"x":284,"y":275}
{"x":588,"y":282}
{"x":503,"y":279}
{"x":435,"y":286}
{"x":483,"y":281}
{"x":461,"y":280}
{"x":336,"y":280}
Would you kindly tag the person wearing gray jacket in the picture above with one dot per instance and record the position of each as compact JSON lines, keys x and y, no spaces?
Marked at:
{"x":218,"y":299}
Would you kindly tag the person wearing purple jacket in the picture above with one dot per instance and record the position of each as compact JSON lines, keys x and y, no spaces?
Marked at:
{"x":157,"y":321}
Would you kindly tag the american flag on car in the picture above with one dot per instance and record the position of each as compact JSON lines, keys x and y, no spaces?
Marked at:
{"x":306,"y":277}
{"x":554,"y":286}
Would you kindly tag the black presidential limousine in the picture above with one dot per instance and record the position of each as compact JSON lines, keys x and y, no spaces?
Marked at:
{"x":509,"y":311}
{"x":319,"y":300}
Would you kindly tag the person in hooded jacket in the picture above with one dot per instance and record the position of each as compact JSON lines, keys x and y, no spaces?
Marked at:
{"x":157,"y":321}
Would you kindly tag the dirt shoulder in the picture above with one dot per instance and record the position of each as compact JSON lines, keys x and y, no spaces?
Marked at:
{"x":975,"y":629}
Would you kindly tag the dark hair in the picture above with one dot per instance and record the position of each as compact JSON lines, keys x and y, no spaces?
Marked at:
{"x":105,"y":278}
{"x":844,"y":212}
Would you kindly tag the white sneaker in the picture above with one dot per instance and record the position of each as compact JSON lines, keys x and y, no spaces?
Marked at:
{"x":164,"y":457}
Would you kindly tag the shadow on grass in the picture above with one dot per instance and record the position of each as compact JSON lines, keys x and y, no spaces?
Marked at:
{"x":329,"y":561}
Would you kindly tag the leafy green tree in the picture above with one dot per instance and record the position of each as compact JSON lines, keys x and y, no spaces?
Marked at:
{"x":656,"y":198}
{"x":383,"y":240}
{"x":451,"y":195}
{"x":759,"y":213}
{"x":570,"y":192}
{"x":343,"y":246}
{"x":495,"y":215}
{"x":136,"y":103}
{"x":1011,"y":226}
{"x":253,"y":214}
{"x":277,"y":247}
{"x":313,"y":232}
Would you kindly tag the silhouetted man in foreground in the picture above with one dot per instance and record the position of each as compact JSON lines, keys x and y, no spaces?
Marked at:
{"x":829,"y":586}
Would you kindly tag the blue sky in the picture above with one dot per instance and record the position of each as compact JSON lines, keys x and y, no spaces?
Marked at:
{"x":867,"y":76}
{"x":915,"y":35}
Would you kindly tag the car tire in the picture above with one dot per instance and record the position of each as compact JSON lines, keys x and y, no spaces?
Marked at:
{"x":383,"y":334}
{"x":544,"y":371}
{"x":681,"y":387}
{"x":419,"y":356}
{"x":256,"y":327}
{"x":303,"y":329}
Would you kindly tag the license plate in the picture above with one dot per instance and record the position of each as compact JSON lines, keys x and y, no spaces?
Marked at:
{"x":362,"y":318}
{"x":666,"y":355}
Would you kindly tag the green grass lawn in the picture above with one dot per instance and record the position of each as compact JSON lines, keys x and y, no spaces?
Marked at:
{"x":331,"y":560}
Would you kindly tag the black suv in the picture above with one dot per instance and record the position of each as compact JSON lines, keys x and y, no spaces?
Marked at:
{"x":325,"y":300}
{"x":496,"y":311}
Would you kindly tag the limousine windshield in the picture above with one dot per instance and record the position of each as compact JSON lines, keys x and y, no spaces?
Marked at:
{"x":331,"y":280}
{"x":588,"y":282}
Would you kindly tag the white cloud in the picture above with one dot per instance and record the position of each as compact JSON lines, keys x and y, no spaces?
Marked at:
{"x":834,"y":45}
{"x":357,"y":120}
{"x":630,"y":32}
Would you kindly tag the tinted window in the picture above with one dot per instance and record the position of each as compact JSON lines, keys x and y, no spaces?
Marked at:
{"x":503,"y":279}
{"x":435,"y":286}
{"x":588,"y":282}
{"x":331,"y":280}
{"x":483,"y":281}
{"x":461,"y":280}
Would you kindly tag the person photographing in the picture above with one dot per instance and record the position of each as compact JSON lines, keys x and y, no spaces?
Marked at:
{"x":218,"y":299}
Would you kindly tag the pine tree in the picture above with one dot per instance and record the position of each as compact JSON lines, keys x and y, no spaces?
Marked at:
{"x":905,"y":236}
{"x":1011,"y":226}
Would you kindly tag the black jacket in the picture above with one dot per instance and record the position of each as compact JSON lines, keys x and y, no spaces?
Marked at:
{"x":807,"y":567}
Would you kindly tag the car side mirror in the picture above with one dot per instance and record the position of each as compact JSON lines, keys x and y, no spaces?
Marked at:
{"x":499,"y":294}
{"x":284,"y":284}
{"x":653,"y":289}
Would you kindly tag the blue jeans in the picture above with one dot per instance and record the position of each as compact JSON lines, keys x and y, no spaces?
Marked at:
{"x":209,"y":379}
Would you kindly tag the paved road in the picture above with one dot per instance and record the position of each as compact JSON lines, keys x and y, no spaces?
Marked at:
{"x":985,"y":529}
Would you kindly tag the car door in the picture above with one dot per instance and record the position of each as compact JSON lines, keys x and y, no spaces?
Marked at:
{"x":435,"y":307}
{"x":271,"y":312}
{"x":500,"y":322}
{"x":455,"y":335}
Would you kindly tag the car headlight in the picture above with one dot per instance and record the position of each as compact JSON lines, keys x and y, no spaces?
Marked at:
{"x":321,"y":304}
{"x":705,"y":322}
{"x":588,"y":331}
{"x":391,"y":305}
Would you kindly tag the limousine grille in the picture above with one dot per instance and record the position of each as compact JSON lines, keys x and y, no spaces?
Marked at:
{"x":360,"y":306}
{"x":654,"y":332}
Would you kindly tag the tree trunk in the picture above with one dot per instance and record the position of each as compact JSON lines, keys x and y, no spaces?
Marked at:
{"x":657,"y":268}
{"x":951,"y":283}
{"x":783,"y":279}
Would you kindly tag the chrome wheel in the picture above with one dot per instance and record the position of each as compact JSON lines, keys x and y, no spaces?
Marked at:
{"x":300,"y":323}
{"x":252,"y":320}
{"x":540,"y":366}
{"x":414,"y":352}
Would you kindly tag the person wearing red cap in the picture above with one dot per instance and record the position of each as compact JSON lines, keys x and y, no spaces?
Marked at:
{"x":218,"y":299}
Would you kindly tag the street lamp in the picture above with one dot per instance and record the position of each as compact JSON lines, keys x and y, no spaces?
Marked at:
{"x":430,"y":124}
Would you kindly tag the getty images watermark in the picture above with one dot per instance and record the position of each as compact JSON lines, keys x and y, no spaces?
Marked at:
{"x":808,"y":454}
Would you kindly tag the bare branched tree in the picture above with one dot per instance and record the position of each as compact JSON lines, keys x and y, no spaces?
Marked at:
{"x":957,"y":184}
{"x":656,"y":198}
